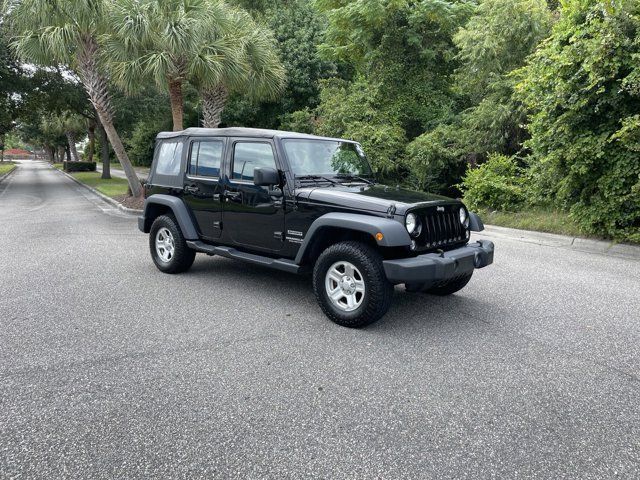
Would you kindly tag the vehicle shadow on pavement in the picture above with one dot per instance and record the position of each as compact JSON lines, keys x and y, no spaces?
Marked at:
{"x":408,"y":311}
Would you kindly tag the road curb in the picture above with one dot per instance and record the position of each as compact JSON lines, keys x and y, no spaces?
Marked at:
{"x":15,"y":167}
{"x":109,"y":200}
{"x":562,"y":241}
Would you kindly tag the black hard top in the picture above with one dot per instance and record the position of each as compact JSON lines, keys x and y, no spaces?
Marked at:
{"x":241,"y":132}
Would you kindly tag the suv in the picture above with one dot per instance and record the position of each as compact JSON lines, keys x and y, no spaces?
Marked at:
{"x":300,"y":203}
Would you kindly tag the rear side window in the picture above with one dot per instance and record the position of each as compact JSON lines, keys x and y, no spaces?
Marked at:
{"x":247,"y":156}
{"x":205,"y":158}
{"x":169,"y":156}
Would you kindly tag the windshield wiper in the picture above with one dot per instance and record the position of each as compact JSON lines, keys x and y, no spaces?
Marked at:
{"x":346,"y":176}
{"x":316,"y":177}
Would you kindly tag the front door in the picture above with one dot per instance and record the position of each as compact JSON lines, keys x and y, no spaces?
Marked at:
{"x":202,"y":188}
{"x":253,"y":216}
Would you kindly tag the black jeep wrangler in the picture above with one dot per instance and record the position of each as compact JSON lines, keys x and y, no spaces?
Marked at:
{"x":301,"y":203}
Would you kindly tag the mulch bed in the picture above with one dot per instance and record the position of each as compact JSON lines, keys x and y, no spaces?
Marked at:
{"x":130,"y":202}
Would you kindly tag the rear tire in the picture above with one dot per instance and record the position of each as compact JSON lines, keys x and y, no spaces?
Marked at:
{"x":350,"y":284}
{"x":169,"y":249}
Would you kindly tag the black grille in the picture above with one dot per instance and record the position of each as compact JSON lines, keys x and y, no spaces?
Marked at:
{"x":441,"y":228}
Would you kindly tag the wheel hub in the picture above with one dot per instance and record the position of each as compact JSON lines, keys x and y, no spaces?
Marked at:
{"x":165,"y":245}
{"x":345,"y":286}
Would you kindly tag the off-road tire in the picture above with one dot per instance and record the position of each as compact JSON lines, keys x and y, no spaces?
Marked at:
{"x":378,"y":291}
{"x":183,"y":256}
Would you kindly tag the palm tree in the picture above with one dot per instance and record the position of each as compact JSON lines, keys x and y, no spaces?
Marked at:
{"x":68,"y":32}
{"x":252,"y":68}
{"x":68,"y":125}
{"x":162,"y":40}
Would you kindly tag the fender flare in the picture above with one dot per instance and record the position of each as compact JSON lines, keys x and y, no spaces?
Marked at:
{"x":395,"y":234}
{"x":475,"y":222}
{"x":179,"y":209}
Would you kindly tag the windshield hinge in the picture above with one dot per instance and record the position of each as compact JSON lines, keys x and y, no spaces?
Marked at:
{"x":391,"y":211}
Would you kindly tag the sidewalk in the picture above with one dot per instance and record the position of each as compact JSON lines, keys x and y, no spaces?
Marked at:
{"x":574,"y":243}
{"x":143,"y":172}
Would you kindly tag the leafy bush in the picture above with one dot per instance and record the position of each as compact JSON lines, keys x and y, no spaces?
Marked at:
{"x":79,"y":166}
{"x":142,"y":141}
{"x":435,"y":160}
{"x":349,"y":110}
{"x":302,"y":121}
{"x":497,"y":184}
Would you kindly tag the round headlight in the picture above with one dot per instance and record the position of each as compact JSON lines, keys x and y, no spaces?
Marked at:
{"x":464,"y":218}
{"x":411,"y":223}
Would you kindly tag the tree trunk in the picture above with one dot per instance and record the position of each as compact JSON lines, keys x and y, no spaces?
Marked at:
{"x":96,"y":86}
{"x":61,"y":153}
{"x":2,"y":147}
{"x":104,"y":153}
{"x":73,"y":151}
{"x":91,"y":133}
{"x":213,"y":103}
{"x":50,"y":153}
{"x":177,"y":105}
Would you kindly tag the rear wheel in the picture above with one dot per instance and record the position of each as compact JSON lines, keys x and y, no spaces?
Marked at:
{"x":169,"y":249}
{"x":350,"y":284}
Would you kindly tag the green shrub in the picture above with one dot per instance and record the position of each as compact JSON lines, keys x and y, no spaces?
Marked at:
{"x":302,"y":121}
{"x":79,"y":166}
{"x":497,"y":184}
{"x":435,"y":160}
{"x":349,"y":111}
{"x":142,"y":141}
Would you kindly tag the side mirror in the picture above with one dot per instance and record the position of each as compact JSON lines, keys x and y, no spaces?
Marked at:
{"x":265,"y":176}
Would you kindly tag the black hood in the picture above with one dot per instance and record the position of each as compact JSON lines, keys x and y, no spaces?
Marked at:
{"x":377,"y":198}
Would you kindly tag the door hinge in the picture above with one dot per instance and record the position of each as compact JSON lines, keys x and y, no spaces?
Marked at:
{"x":279,"y":236}
{"x":217,"y":225}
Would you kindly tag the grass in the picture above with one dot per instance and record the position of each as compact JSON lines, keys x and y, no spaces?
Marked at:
{"x":6,"y":167}
{"x":112,"y":188}
{"x":536,"y":219}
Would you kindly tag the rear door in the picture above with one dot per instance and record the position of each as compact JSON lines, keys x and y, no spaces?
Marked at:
{"x":253,"y":216}
{"x":202,"y":187}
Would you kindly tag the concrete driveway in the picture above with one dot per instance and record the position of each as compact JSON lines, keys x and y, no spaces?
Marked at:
{"x":110,"y":369}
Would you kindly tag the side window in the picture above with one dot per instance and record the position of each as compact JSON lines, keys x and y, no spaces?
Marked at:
{"x":169,"y":157}
{"x":205,"y":158}
{"x":249,"y":155}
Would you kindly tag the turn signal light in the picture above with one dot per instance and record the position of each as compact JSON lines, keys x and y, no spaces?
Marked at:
{"x":379,"y":236}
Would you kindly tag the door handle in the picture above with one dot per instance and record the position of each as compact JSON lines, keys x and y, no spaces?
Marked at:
{"x":232,"y":196}
{"x":191,"y":189}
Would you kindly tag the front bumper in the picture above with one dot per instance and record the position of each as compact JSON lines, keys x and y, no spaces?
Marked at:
{"x":438,"y":267}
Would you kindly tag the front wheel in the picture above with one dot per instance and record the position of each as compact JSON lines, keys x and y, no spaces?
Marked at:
{"x":169,"y":249}
{"x":350,"y":284}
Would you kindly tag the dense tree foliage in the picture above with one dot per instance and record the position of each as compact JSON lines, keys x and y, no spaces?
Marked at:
{"x":497,"y":39}
{"x":298,"y":29}
{"x":583,"y":89}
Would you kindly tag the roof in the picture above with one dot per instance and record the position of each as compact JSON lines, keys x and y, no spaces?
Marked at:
{"x":16,"y":151}
{"x":241,"y":132}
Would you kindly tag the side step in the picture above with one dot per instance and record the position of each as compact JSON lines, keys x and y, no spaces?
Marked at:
{"x":283,"y":264}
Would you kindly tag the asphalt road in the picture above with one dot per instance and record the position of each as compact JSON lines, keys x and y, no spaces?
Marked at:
{"x":110,"y":369}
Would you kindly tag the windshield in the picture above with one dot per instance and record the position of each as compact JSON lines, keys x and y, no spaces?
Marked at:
{"x":325,"y":157}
